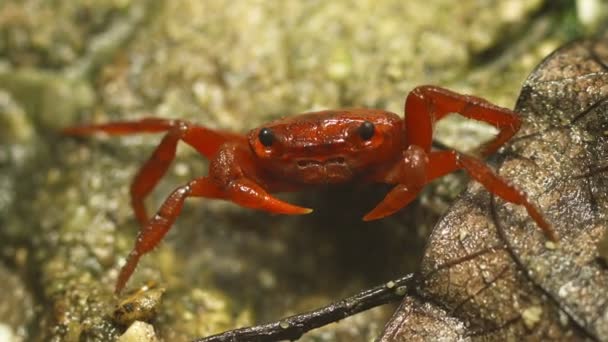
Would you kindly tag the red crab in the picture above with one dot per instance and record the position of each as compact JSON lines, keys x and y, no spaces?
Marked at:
{"x":320,"y":148}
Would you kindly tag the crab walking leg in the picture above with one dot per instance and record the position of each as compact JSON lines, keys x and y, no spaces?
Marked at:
{"x":154,"y":230}
{"x":145,"y":125}
{"x":241,"y":191}
{"x":444,"y":162}
{"x":204,"y":140}
{"x":150,"y":174}
{"x":426,"y":105}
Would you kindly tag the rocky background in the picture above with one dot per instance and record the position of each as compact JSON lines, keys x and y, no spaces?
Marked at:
{"x":65,"y":221}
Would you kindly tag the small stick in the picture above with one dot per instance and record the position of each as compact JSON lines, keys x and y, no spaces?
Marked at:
{"x":292,"y":328}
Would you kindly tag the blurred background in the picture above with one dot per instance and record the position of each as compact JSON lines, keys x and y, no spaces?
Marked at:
{"x":65,"y":221}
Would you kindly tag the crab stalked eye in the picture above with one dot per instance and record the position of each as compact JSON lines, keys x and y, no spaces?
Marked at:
{"x":366,"y":130}
{"x":266,"y":137}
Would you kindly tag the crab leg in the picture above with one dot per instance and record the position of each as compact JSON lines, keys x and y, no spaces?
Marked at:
{"x":226,"y":180}
{"x":441,"y":163}
{"x":204,"y":140}
{"x":153,"y":231}
{"x":426,"y":105}
{"x":444,"y":162}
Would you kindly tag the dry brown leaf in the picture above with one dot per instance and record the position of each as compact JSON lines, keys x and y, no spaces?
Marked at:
{"x":488,"y":271}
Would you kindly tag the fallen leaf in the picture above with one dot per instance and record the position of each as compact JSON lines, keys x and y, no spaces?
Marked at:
{"x":488,"y":270}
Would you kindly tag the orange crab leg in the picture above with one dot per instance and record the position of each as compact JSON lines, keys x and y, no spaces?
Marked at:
{"x":154,"y":230}
{"x":441,"y":163}
{"x":204,"y":140}
{"x":444,"y":162}
{"x":242,"y":191}
{"x":227,"y":181}
{"x":426,"y":105}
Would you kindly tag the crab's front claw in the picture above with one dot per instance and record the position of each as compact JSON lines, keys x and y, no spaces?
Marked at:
{"x":399,"y":197}
{"x":247,"y":193}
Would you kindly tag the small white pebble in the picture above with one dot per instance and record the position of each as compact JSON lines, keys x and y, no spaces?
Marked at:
{"x":267,"y":279}
{"x":550,"y":245}
{"x":401,"y":290}
{"x":6,"y":333}
{"x":139,"y":332}
{"x":181,"y":169}
{"x":589,"y":12}
{"x":532,"y":316}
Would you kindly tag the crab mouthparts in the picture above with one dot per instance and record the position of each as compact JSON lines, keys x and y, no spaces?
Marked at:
{"x":323,"y":171}
{"x":304,"y":163}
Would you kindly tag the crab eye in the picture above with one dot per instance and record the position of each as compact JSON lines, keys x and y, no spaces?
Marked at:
{"x":266,"y":137}
{"x":366,"y":130}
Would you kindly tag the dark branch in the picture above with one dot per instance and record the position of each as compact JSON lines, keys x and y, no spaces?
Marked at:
{"x":291,"y":328}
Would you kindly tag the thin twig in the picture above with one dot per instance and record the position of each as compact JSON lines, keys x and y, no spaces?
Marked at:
{"x":291,"y":328}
